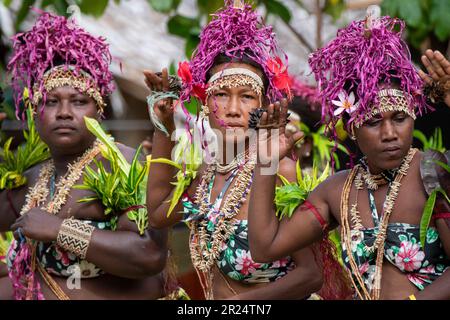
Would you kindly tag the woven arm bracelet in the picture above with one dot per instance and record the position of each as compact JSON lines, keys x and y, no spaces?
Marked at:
{"x":74,"y":236}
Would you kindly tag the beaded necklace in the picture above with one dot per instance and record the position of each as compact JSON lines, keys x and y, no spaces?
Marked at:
{"x":58,"y":197}
{"x":205,"y":246}
{"x":378,"y":245}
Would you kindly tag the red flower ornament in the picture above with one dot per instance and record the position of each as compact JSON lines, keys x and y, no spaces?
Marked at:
{"x":184,"y":72}
{"x":281,"y":78}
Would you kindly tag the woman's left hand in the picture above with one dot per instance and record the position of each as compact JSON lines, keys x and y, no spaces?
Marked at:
{"x":437,"y":67}
{"x":38,"y":225}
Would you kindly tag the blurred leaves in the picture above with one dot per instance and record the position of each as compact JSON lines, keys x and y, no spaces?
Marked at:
{"x":334,"y":8}
{"x":32,"y":152}
{"x":164,"y":6}
{"x":423,"y":17}
{"x":435,"y":142}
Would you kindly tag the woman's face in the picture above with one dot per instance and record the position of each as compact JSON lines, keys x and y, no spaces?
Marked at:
{"x":229,"y":108}
{"x":61,"y":124}
{"x":385,"y":139}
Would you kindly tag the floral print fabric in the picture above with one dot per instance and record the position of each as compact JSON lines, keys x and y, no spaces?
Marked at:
{"x":403,"y":249}
{"x":235,"y":259}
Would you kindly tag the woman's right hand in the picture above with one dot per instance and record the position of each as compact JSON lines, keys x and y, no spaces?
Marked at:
{"x":164,"y":108}
{"x":438,"y":68}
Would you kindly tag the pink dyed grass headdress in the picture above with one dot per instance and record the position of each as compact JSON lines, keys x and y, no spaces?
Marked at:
{"x":350,"y":68}
{"x":54,"y":39}
{"x":236,"y":32}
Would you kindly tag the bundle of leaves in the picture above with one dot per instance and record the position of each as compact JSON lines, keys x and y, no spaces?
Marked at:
{"x":187,"y":159}
{"x":292,"y":194}
{"x":122,"y":188}
{"x":30,"y":153}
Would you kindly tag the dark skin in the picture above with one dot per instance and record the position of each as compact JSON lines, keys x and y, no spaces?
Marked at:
{"x":132,"y":263}
{"x":231,"y":107}
{"x":385,"y":140}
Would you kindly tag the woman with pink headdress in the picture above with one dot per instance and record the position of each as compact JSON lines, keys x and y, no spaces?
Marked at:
{"x":237,"y":72}
{"x":63,"y":248}
{"x":366,"y":78}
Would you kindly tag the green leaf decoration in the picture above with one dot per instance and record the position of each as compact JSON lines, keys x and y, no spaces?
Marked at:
{"x":120,"y":188}
{"x":95,"y":128}
{"x":188,"y":158}
{"x":292,"y":194}
{"x":428,"y":212}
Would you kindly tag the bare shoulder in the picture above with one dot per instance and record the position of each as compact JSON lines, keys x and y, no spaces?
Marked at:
{"x":333,"y":184}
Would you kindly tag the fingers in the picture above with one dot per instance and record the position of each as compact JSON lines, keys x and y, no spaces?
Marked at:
{"x":153,"y":82}
{"x":435,"y":63}
{"x":443,"y":62}
{"x":283,"y":116}
{"x":276,"y":113}
{"x":429,"y":66}
{"x":165,"y":79}
{"x":263,"y":120}
{"x":270,"y":111}
{"x":2,"y":116}
{"x":17,"y":224}
{"x":425,"y":77}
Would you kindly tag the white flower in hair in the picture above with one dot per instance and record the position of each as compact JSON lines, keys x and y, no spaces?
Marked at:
{"x":346,"y":102}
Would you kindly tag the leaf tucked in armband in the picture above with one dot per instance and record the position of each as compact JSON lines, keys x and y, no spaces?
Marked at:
{"x":122,"y":189}
{"x":292,"y":194}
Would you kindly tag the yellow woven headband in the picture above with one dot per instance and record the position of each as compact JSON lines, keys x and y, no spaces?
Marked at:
{"x":61,"y":76}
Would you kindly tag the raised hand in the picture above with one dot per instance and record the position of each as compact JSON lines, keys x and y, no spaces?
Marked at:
{"x":438,"y":68}
{"x":164,"y":107}
{"x":273,"y":143}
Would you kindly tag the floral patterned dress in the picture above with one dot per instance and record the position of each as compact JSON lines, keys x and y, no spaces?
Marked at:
{"x":235,"y":259}
{"x":60,"y":262}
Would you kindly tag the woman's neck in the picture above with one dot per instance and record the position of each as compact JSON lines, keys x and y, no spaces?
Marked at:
{"x":227,"y":155}
{"x":61,"y":160}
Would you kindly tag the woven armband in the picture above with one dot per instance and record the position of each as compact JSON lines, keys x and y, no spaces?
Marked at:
{"x":74,"y":236}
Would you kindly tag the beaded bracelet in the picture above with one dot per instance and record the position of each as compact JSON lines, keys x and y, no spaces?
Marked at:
{"x":151,"y":100}
{"x":74,"y":236}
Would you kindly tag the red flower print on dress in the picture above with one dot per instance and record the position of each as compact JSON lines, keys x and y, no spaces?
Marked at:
{"x":409,"y":257}
{"x":245,"y":263}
